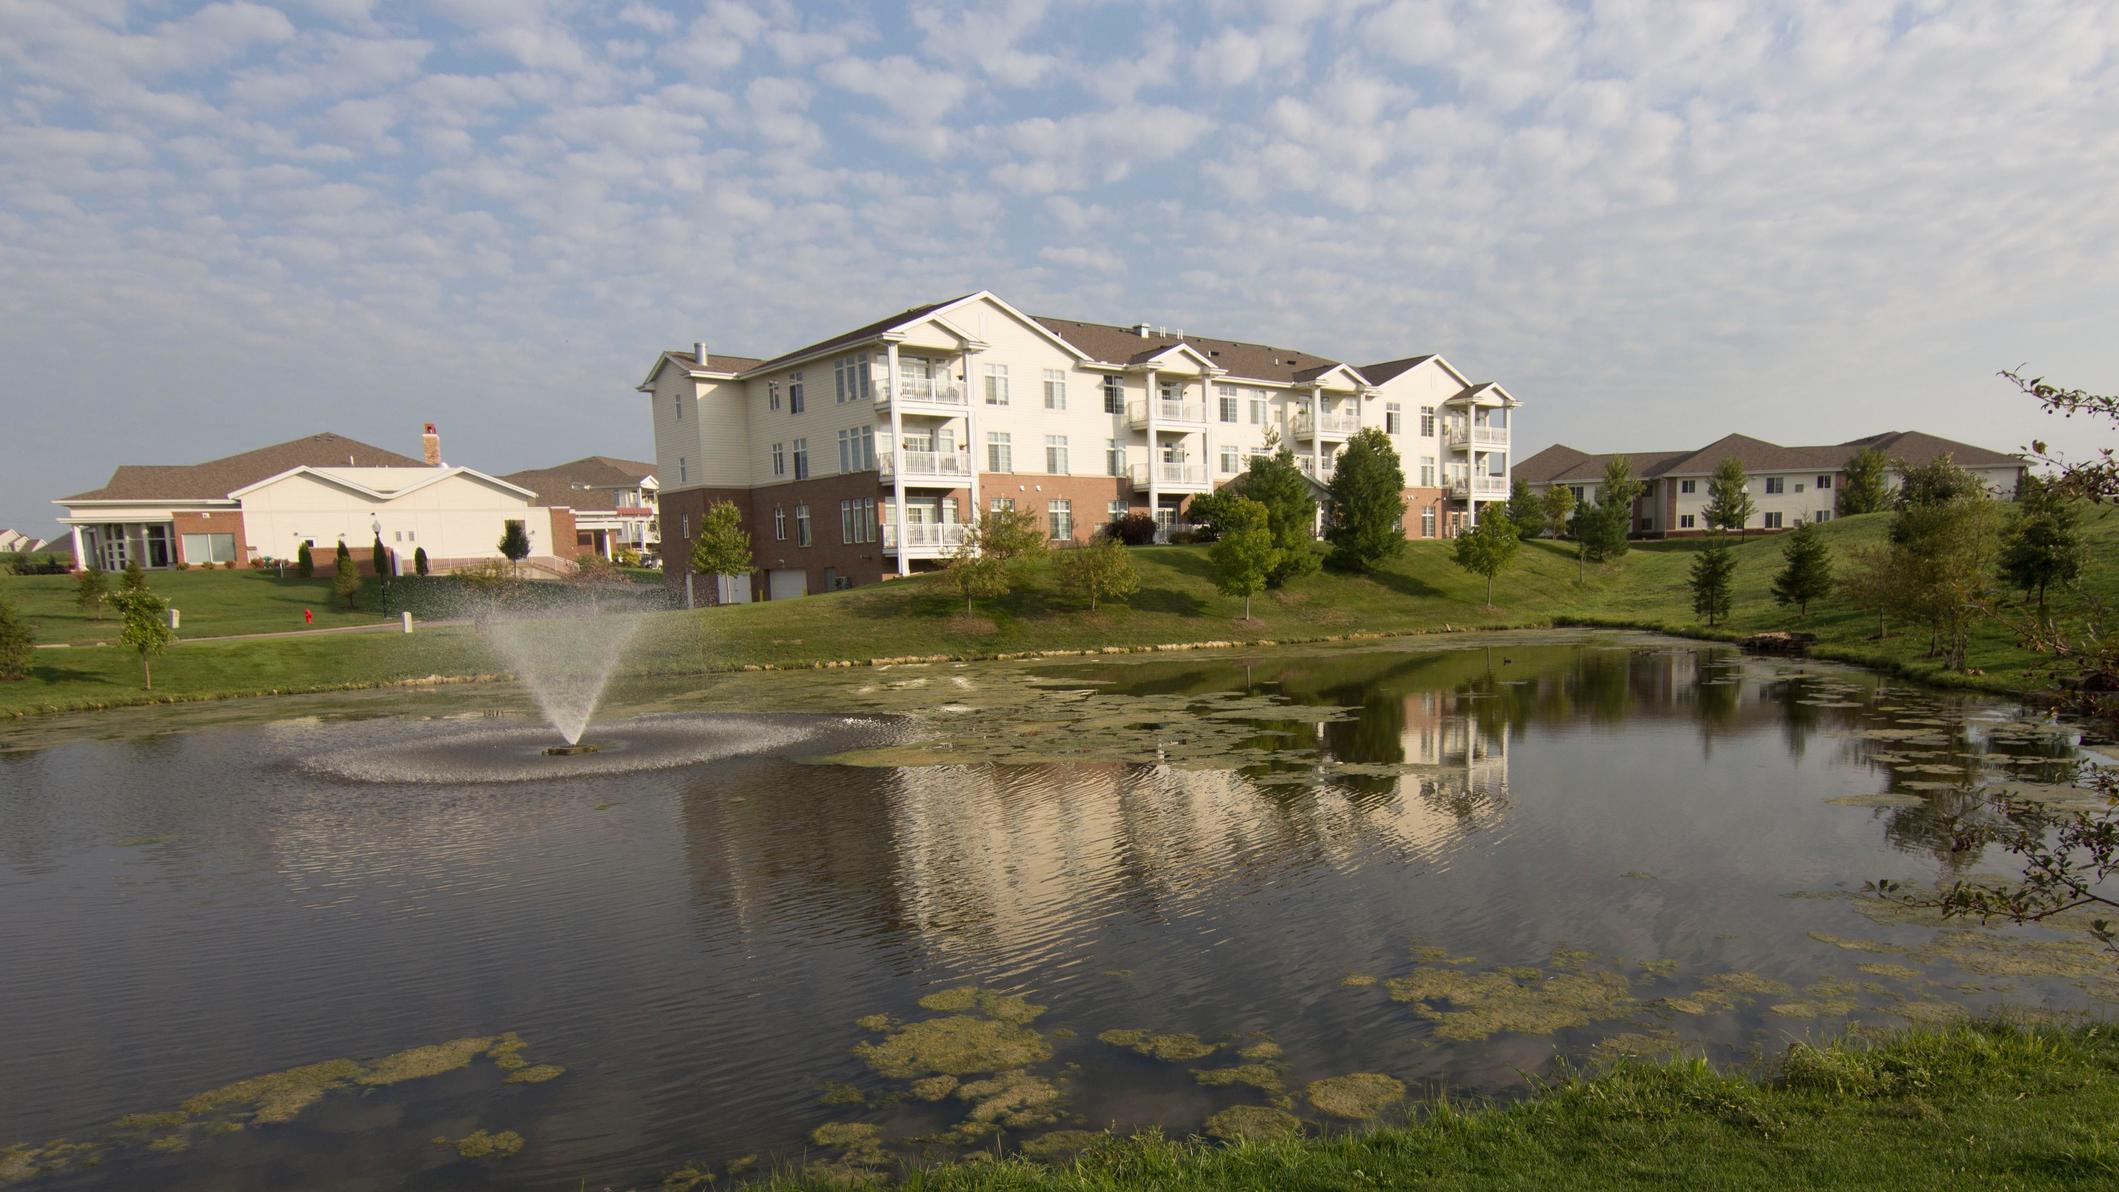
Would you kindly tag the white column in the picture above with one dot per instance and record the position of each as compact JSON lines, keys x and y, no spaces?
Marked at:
{"x":897,"y":459}
{"x":1155,"y":472}
{"x":972,"y":443}
{"x":1209,"y":407}
{"x":80,"y":564}
{"x":1316,"y":435}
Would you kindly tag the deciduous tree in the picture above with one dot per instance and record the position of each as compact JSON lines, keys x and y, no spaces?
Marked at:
{"x":723,"y":546}
{"x":1291,"y":513}
{"x":2042,"y":546}
{"x":1867,"y":485}
{"x":1244,"y":555}
{"x":346,"y":578}
{"x":1525,"y":511}
{"x":1559,"y":508}
{"x":1367,"y":522}
{"x":92,"y":590}
{"x":143,"y":625}
{"x":1102,"y":569}
{"x":18,"y":644}
{"x":1487,"y":547}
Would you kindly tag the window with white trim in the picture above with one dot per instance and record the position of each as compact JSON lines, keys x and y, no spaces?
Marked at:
{"x":684,"y":527}
{"x":1259,"y":413}
{"x":1056,"y":454}
{"x":772,"y":395}
{"x":1114,"y":458}
{"x":1427,"y":423}
{"x":857,"y":449}
{"x":779,"y":461}
{"x":1000,"y":452}
{"x":1773,"y":520}
{"x":1003,"y":505}
{"x":996,"y":384}
{"x":1393,"y":419}
{"x":801,"y":525}
{"x":1117,"y":510}
{"x":1685,"y":521}
{"x":1688,"y":486}
{"x":801,"y":459}
{"x":677,"y":400}
{"x":1114,"y":395}
{"x":1427,"y":471}
{"x":1824,"y":480}
{"x":794,"y":393}
{"x":1231,"y":459}
{"x":1427,"y":522}
{"x":779,"y":524}
{"x":1822,"y":515}
{"x":684,"y":470}
{"x":1055,"y":388}
{"x":1227,"y":395}
{"x":1060,"y":513}
{"x":1776,"y":485}
{"x":851,"y":377}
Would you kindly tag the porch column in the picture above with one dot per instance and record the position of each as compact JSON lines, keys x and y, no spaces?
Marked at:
{"x":897,"y":458}
{"x":1211,"y":410}
{"x":80,"y":564}
{"x":1155,"y":469}
{"x":1316,"y":436}
{"x":972,"y":398}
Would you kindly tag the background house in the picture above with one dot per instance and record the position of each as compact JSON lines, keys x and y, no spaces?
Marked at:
{"x":613,"y":501}
{"x":322,"y":490}
{"x":16,"y":542}
{"x":1788,"y":484}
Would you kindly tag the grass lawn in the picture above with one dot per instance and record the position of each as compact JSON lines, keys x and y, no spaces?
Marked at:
{"x":212,"y":602}
{"x":1973,"y":1107}
{"x":1420,"y":591}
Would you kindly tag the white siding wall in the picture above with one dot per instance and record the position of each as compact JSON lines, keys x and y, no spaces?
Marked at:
{"x":456,"y":518}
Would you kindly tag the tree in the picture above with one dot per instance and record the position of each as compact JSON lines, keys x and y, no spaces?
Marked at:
{"x":143,"y":625}
{"x":345,"y":578}
{"x":1525,"y":511}
{"x":514,"y":542}
{"x":304,"y":561}
{"x":1729,"y":503}
{"x":1488,"y":546}
{"x":92,"y":590}
{"x":1367,"y":523}
{"x":977,"y":572}
{"x":2043,"y":543}
{"x":1291,"y":513}
{"x":419,"y":561}
{"x":17,"y":644}
{"x":1599,"y":531}
{"x":723,"y":546}
{"x":1713,"y":571}
{"x":1807,"y":572}
{"x":1012,"y":534}
{"x":1245,"y":554}
{"x":1874,"y":583}
{"x":1616,"y":493}
{"x":1101,"y":569}
{"x":134,"y":578}
{"x":1867,"y":486}
{"x":1559,"y":508}
{"x":1943,"y":536}
{"x":1208,"y":511}
{"x":379,"y":560}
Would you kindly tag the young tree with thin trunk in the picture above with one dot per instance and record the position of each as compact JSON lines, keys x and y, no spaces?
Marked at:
{"x":1487,"y":547}
{"x":1867,"y":485}
{"x":1101,"y":569}
{"x":1291,"y":513}
{"x":1616,"y":493}
{"x":514,"y":542}
{"x":1806,"y":573}
{"x":134,"y":578}
{"x":1525,"y":511}
{"x":1559,"y":508}
{"x":2042,"y":546}
{"x":1729,"y":504}
{"x":977,"y":572}
{"x":92,"y":590}
{"x":723,"y":546}
{"x":18,"y":644}
{"x":1713,"y":576}
{"x":143,"y":625}
{"x":1874,"y":583}
{"x":1244,"y":555}
{"x":1011,"y":535}
{"x":1367,"y":523}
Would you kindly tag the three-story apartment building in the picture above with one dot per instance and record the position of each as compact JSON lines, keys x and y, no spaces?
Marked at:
{"x":866,"y":455}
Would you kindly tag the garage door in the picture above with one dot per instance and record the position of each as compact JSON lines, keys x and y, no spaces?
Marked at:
{"x":781,"y":585}
{"x":732,"y":589}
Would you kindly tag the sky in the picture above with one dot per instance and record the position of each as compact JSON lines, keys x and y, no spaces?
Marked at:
{"x":228,"y":224}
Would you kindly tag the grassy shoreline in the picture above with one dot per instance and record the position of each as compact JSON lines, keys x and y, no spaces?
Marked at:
{"x":1988,"y":1105}
{"x":1420,"y":592}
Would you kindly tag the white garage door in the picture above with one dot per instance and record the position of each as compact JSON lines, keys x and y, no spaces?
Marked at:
{"x":732,"y":589}
{"x":781,"y":585}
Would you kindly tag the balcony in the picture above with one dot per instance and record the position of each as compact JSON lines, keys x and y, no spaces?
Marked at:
{"x":949,"y":469}
{"x":1484,"y":438}
{"x":922,"y":539}
{"x":1321,"y":473}
{"x":1484,"y":488}
{"x":1329,"y":426}
{"x":1170,"y":415}
{"x":925,"y":395}
{"x":1169,"y":475}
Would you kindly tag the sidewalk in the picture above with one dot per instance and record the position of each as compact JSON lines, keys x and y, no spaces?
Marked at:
{"x":378,"y":627}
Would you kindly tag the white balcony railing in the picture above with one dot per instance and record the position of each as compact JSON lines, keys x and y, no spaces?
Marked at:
{"x":925,"y":391}
{"x":923,"y":536}
{"x":1476,"y":486}
{"x":1479,"y":436}
{"x":1168,"y":474}
{"x":1314,"y":470}
{"x":1167,"y":413}
{"x":928,"y":465}
{"x":1331,"y":425}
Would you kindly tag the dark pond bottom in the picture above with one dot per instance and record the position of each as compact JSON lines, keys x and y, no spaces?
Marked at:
{"x":700,"y":946}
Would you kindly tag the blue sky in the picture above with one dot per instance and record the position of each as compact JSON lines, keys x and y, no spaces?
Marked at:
{"x":223,"y":225}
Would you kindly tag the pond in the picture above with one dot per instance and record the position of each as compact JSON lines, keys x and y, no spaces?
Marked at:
{"x":856,"y":917}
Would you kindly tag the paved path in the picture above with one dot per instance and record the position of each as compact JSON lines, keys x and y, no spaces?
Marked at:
{"x":377,"y":627}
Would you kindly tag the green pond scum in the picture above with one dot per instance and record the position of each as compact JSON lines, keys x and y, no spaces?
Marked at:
{"x":276,"y":1098}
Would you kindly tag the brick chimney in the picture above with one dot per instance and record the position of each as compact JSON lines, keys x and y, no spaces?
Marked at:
{"x":430,"y":445}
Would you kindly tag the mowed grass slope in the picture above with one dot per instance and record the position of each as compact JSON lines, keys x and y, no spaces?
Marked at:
{"x":213,"y":603}
{"x":1420,"y":591}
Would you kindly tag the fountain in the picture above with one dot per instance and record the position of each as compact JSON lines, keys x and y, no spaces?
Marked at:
{"x":565,"y":661}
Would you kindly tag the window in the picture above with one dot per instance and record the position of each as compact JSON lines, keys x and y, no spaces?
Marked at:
{"x":794,"y":393}
{"x":1576,"y":489}
{"x":801,"y":459}
{"x":1056,"y":454}
{"x":1822,"y":515}
{"x":1170,"y":390}
{"x":1114,"y":458}
{"x":996,"y":384}
{"x":1003,"y":505}
{"x":779,"y":461}
{"x":1393,"y":419}
{"x":772,"y":395}
{"x":677,"y":400}
{"x":1427,"y":422}
{"x":1228,"y":403}
{"x":857,"y":520}
{"x":1773,"y":520}
{"x":846,"y":521}
{"x":1427,"y":522}
{"x":1055,"y":389}
{"x":850,"y":377}
{"x":209,"y":548}
{"x":683,"y":469}
{"x":1825,"y":480}
{"x":801,"y":525}
{"x":1684,"y":521}
{"x":1775,"y":484}
{"x":1427,"y":471}
{"x":1114,"y":396}
{"x":1117,"y":510}
{"x":779,"y":524}
{"x":857,"y":449}
{"x":1230,"y":458}
{"x":1000,"y":453}
{"x":1687,"y":486}
{"x":1060,"y":512}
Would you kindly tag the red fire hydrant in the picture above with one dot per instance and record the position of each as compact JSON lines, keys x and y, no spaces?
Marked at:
{"x":308,"y":618}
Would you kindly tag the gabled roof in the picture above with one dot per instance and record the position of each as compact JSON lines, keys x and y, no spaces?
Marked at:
{"x":1247,"y":361}
{"x":870,"y":331}
{"x":387,"y":484}
{"x":1565,"y":465}
{"x":591,"y":482}
{"x":716,"y":362}
{"x":1917,"y":447}
{"x":215,"y":479}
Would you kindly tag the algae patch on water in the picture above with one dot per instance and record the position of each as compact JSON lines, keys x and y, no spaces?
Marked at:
{"x":481,"y":1144}
{"x":1264,"y":1077}
{"x":955,"y":1045}
{"x":1358,"y":1096}
{"x":1175,"y":1048}
{"x":1725,"y":991}
{"x":1253,"y":1123}
{"x":1469,"y":1005}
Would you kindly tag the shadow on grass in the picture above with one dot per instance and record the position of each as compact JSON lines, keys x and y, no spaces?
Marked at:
{"x":1167,"y":600}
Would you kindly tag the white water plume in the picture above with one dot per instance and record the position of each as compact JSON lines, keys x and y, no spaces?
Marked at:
{"x":565,"y":660}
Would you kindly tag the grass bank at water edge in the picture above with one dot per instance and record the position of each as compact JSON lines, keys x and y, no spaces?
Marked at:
{"x":1989,"y":1107}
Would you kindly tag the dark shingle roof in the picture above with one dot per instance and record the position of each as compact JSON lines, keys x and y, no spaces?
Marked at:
{"x":860,"y":333}
{"x":1377,"y":374}
{"x":591,"y":482}
{"x":1123,"y":345}
{"x":715,"y":361}
{"x":1563,"y":464}
{"x":216,"y":478}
